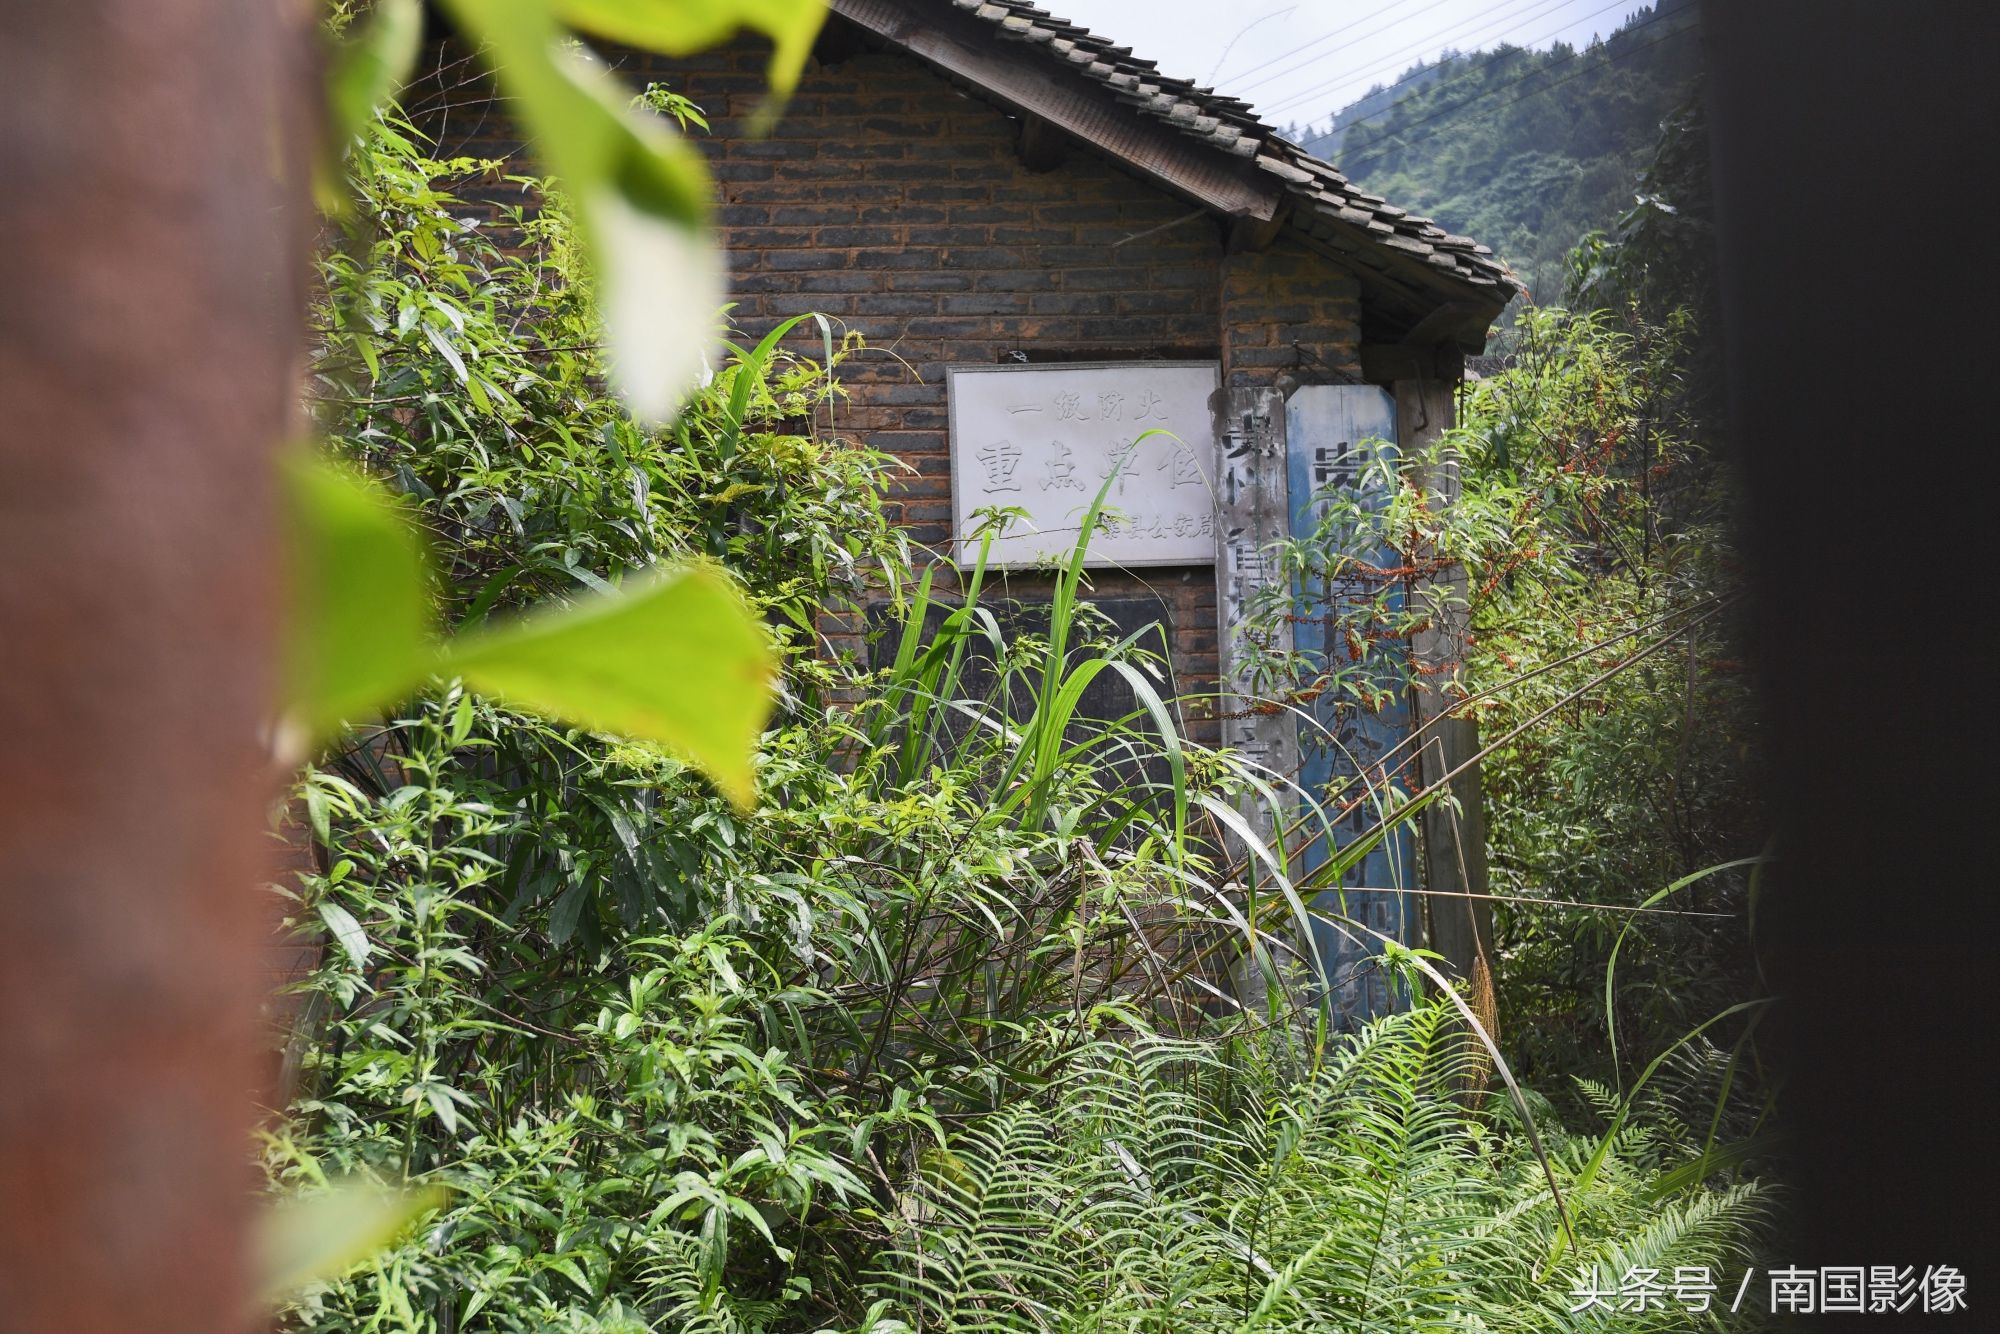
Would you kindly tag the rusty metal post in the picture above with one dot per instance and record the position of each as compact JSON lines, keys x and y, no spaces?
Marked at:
{"x":153,"y":236}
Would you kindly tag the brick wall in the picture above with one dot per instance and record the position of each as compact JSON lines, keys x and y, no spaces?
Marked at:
{"x":893,"y":201}
{"x":1288,"y":311}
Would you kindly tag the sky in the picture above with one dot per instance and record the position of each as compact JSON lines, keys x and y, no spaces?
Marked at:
{"x":1299,"y":60}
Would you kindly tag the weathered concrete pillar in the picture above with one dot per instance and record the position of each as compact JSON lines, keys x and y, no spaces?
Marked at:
{"x":1254,"y":514}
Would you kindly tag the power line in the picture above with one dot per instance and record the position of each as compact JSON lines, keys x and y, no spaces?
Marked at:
{"x":1327,"y":37}
{"x":1336,"y":88}
{"x":1451,"y":113}
{"x":1328,"y":55}
{"x":1223,"y":59}
{"x":1422,"y":68}
{"x":1450,"y":32}
{"x":1328,"y":88}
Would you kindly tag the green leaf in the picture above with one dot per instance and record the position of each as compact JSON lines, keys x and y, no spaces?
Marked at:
{"x":461,"y":722}
{"x":570,"y":1270}
{"x":1588,"y":1174}
{"x":321,"y":817}
{"x":1611,"y":964}
{"x":441,"y":1107}
{"x":361,"y":618}
{"x":643,"y":198}
{"x":719,"y":960}
{"x":321,"y":1237}
{"x":568,"y":911}
{"x":448,"y":352}
{"x":677,"y":658}
{"x":345,"y":930}
{"x":683,"y":27}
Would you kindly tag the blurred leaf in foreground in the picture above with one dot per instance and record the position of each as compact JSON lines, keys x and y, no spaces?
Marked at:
{"x":324,"y":1235}
{"x":678,"y":660}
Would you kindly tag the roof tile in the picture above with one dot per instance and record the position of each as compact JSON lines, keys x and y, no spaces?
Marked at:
{"x":1229,"y":124}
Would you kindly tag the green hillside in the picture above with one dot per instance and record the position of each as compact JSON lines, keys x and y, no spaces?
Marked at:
{"x":1524,"y":149}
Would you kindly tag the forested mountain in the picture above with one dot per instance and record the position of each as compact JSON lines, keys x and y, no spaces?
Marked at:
{"x":1371,"y":105}
{"x":1524,"y":149}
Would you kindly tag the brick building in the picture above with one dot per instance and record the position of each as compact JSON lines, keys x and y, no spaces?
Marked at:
{"x":971,"y":183}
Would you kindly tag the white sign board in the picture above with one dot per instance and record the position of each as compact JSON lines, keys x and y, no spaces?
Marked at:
{"x":1044,"y":439}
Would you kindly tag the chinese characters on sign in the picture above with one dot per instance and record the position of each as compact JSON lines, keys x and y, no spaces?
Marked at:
{"x":1046,"y":439}
{"x":1830,"y":1289}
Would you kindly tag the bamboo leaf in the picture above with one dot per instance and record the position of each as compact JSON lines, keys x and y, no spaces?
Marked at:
{"x":345,"y":930}
{"x":568,"y":911}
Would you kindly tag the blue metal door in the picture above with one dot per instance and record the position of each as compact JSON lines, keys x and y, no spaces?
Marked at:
{"x":1340,"y":436}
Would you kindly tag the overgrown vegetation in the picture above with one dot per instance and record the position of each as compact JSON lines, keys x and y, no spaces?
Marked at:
{"x":939,"y":1035}
{"x":1586,"y":580}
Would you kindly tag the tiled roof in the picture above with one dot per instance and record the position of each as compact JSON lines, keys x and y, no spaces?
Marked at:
{"x":1330,"y":204}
